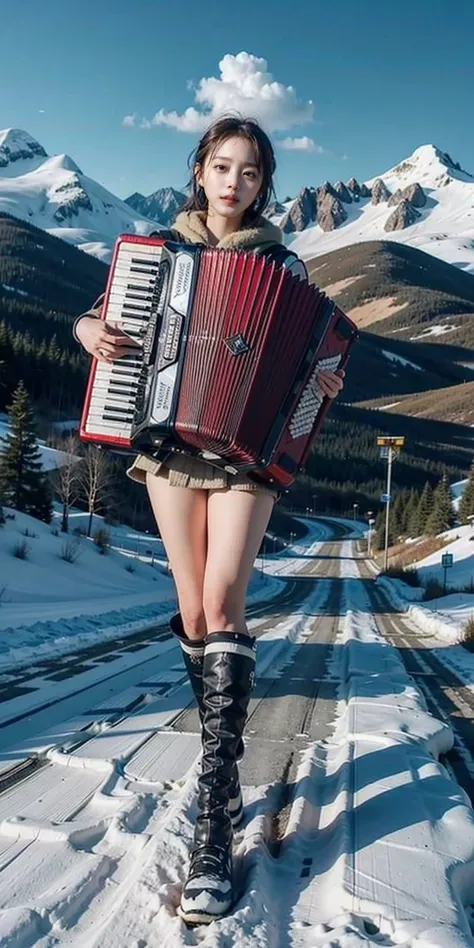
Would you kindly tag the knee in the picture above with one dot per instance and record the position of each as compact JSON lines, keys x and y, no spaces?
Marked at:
{"x":194,"y":622}
{"x":222,"y":610}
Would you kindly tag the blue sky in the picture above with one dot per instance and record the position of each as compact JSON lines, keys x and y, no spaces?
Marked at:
{"x":359,"y":84}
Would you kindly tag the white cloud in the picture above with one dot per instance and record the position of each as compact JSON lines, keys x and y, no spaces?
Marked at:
{"x":129,"y":121}
{"x":244,"y":85}
{"x":300,"y":144}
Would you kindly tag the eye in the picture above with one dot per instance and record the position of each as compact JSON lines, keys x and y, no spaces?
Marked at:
{"x":220,"y":167}
{"x":251,"y":174}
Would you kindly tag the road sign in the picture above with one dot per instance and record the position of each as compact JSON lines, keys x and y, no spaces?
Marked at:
{"x":389,"y":441}
{"x":385,"y":498}
{"x":447,"y":560}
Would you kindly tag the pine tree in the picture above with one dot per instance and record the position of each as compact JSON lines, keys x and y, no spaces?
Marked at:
{"x":424,"y":510}
{"x":466,"y":504}
{"x":396,"y":514}
{"x":23,"y":484}
{"x":409,"y":511}
{"x":441,"y":517}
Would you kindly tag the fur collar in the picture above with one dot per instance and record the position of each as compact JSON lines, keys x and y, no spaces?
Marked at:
{"x":191,"y":225}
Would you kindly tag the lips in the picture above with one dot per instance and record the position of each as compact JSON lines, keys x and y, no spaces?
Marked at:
{"x":229,"y":200}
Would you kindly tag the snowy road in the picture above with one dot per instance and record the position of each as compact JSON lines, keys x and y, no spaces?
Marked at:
{"x":355,"y":834}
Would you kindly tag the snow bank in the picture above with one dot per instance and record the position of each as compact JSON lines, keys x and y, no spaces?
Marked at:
{"x":50,"y":607}
{"x":443,"y":618}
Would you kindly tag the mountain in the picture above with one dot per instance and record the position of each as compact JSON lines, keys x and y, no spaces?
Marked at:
{"x":425,"y":201}
{"x":397,"y":290}
{"x":454,"y":404}
{"x":162,"y":206}
{"x":52,"y":193}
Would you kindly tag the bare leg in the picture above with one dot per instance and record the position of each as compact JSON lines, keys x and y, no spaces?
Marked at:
{"x":236,"y":523}
{"x":181,"y":515}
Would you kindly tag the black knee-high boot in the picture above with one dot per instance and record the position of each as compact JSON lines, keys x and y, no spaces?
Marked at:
{"x":228,"y":679}
{"x":193,"y":657}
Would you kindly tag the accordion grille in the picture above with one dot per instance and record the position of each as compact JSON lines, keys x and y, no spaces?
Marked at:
{"x":249,"y":324}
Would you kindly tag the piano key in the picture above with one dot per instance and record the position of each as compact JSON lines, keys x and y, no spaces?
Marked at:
{"x":118,"y":430}
{"x":126,"y":256}
{"x":106,"y":397}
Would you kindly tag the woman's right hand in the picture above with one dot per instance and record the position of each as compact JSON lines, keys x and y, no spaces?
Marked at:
{"x":105,"y":341}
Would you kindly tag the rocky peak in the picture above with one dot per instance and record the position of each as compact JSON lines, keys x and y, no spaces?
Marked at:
{"x":403,"y":215}
{"x":162,"y":206}
{"x":342,"y":192}
{"x":331,"y":212}
{"x":413,"y":193}
{"x":301,"y":213}
{"x":354,"y":188}
{"x":71,"y":198}
{"x":395,"y":198}
{"x":380,"y":191}
{"x":15,"y":144}
{"x":276,"y":207}
{"x":324,"y":189}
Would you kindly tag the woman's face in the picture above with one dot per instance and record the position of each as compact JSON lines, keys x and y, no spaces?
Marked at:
{"x":230,"y":178}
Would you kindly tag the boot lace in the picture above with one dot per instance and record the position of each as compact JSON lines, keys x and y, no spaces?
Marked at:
{"x":209,"y":861}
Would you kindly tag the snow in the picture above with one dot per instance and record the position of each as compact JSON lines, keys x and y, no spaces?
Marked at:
{"x":457,"y":489}
{"x":49,"y":607}
{"x":398,"y":358}
{"x":379,"y":837}
{"x":443,"y":618}
{"x":386,"y":407}
{"x":36,"y":188}
{"x":50,"y":458}
{"x":13,"y":289}
{"x":445,"y":228}
{"x":462,"y":548}
{"x":440,"y":330}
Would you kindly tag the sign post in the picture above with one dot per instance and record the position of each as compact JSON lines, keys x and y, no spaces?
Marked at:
{"x":390,"y":449}
{"x":446,"y":562}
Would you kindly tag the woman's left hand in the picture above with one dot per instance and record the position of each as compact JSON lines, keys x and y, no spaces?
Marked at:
{"x":330,"y":383}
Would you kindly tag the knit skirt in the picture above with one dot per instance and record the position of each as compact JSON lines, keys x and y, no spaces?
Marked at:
{"x":184,"y":471}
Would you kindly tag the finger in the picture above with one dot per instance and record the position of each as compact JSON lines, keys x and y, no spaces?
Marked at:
{"x":101,"y":357}
{"x":125,"y":350}
{"x":116,"y":331}
{"x":329,"y":389}
{"x":120,"y":339}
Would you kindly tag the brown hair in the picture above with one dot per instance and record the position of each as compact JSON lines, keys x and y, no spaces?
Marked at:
{"x":230,"y":126}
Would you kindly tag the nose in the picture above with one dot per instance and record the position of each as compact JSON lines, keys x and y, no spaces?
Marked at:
{"x":233,"y":180}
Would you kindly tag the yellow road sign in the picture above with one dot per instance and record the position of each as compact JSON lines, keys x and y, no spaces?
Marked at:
{"x":387,"y":441}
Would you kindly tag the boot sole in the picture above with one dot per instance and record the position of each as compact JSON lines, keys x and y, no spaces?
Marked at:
{"x":201,"y":918}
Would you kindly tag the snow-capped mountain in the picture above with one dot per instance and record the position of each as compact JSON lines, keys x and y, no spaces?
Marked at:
{"x":426,"y":201}
{"x":161,"y":206}
{"x":54,"y":194}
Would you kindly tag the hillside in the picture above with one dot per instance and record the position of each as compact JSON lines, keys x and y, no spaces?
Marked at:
{"x":44,"y":284}
{"x":393,"y":368}
{"x":396,"y":289}
{"x":345,"y":464}
{"x":454,"y":404}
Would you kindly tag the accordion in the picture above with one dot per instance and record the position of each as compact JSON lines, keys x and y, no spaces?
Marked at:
{"x":230,"y":347}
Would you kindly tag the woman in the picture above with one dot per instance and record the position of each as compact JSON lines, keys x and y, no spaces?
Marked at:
{"x":212,"y":522}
